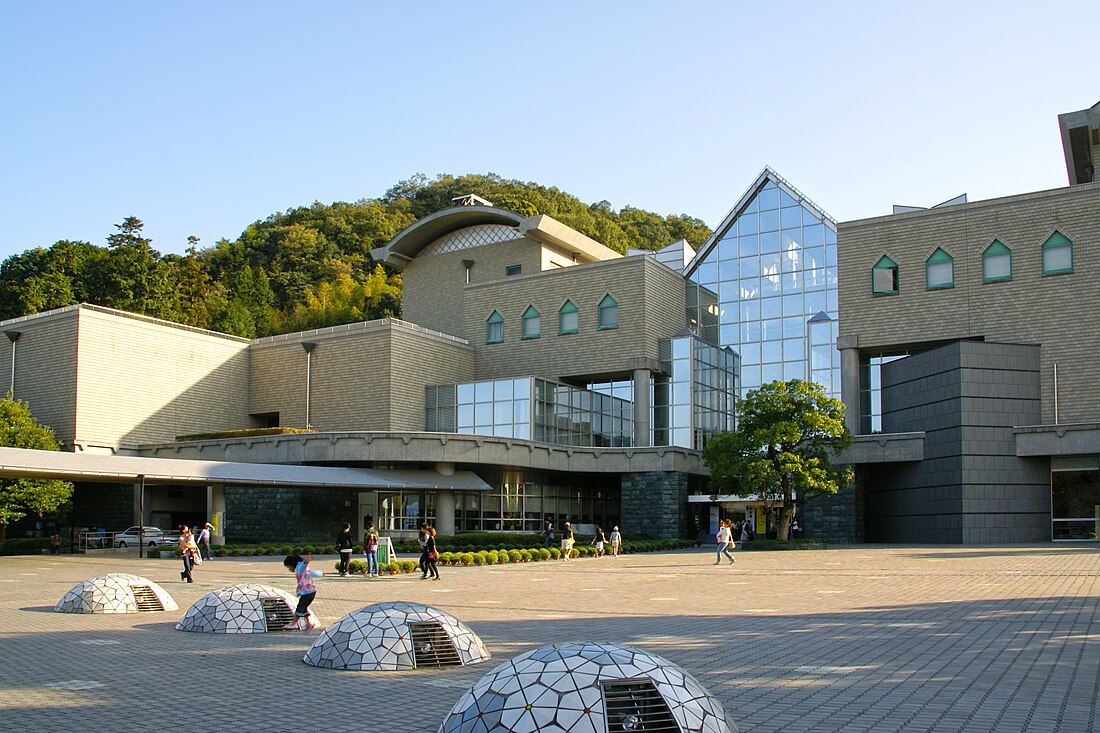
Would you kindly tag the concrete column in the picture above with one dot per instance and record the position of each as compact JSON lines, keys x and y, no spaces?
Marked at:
{"x":445,"y":512}
{"x":215,"y":509}
{"x":849,"y":380}
{"x":641,"y":407}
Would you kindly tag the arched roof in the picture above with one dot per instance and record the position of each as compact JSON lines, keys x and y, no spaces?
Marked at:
{"x":408,"y":243}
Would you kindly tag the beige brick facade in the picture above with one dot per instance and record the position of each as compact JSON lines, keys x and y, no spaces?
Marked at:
{"x":650,"y":300}
{"x":1056,"y":311}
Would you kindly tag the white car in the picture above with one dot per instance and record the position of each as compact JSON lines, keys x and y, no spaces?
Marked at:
{"x":152,"y":536}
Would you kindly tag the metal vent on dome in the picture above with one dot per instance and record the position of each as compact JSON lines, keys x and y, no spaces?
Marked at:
{"x":277,"y":613}
{"x":633,"y":706}
{"x":146,"y":599}
{"x":432,"y":647}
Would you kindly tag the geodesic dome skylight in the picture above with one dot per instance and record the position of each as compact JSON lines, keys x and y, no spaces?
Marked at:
{"x":396,"y":636}
{"x":587,"y":687}
{"x":116,"y":593}
{"x":247,"y":608}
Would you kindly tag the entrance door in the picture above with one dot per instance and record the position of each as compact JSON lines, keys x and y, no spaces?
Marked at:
{"x":368,"y":512}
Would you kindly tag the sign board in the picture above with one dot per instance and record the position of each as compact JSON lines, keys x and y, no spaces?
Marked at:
{"x":385,"y":551}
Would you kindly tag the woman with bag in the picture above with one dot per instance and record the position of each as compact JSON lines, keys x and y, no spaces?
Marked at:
{"x":189,"y":553}
{"x":432,"y":553}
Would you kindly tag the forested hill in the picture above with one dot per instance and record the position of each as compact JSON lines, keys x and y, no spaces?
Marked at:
{"x":307,"y":268}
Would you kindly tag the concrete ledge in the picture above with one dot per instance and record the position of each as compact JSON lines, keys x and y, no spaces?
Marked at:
{"x":1057,"y":440}
{"x":884,"y":448}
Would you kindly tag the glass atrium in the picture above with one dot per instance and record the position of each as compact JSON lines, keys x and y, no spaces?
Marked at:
{"x":773,"y":263}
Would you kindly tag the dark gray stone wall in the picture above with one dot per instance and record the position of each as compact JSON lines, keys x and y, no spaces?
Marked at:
{"x":262,"y":514}
{"x":835,"y":519}
{"x":110,"y":506}
{"x":655,"y":503}
{"x":970,"y":488}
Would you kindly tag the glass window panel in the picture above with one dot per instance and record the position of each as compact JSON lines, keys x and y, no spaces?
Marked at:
{"x":728,"y":334}
{"x":793,"y":327}
{"x":465,"y":416}
{"x":483,"y":413}
{"x":769,"y":221}
{"x":771,"y":373}
{"x":809,"y":217}
{"x":747,"y":224}
{"x":521,"y":411}
{"x":769,"y":242}
{"x":502,"y":413}
{"x":771,"y":351}
{"x":940,"y":274}
{"x":997,"y":267}
{"x":768,"y":198}
{"x":830,"y":253}
{"x":830,"y":277}
{"x":750,"y":288}
{"x":792,"y":304}
{"x":813,"y":236}
{"x":465,"y":393}
{"x":681,"y":393}
{"x":750,"y":267}
{"x":750,"y":331}
{"x":790,"y":217}
{"x":792,"y":259}
{"x":785,"y":199}
{"x":813,"y":257}
{"x":771,"y":307}
{"x":771,"y":329}
{"x":830,"y":235}
{"x":503,"y":430}
{"x":794,"y":370}
{"x":750,"y":310}
{"x":502,"y":389}
{"x":1057,"y":259}
{"x":483,"y":391}
{"x":794,"y":350}
{"x":831,"y":303}
{"x":707,"y":274}
{"x":748,"y":245}
{"x":750,"y":353}
{"x":820,"y":357}
{"x":727,"y":248}
{"x":769,"y":264}
{"x":728,"y":270}
{"x":681,"y":348}
{"x":751,"y":206}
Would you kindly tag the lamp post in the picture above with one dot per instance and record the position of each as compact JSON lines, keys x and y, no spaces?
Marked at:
{"x":309,"y":347}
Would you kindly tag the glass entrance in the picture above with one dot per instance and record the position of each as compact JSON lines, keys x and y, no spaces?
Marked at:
{"x":1075,"y":498}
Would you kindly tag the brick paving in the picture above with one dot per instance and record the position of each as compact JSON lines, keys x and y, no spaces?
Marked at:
{"x":849,"y":639}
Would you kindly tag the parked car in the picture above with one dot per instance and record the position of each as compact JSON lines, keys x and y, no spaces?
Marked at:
{"x":153,"y":536}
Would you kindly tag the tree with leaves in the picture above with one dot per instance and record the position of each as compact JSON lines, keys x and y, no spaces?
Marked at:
{"x":786,"y":432}
{"x":20,"y":497}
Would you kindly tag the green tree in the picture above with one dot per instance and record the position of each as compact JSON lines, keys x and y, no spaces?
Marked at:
{"x":136,"y":279}
{"x":20,"y":497}
{"x":786,"y":432}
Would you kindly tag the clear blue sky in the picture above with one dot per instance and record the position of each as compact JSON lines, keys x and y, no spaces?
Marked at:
{"x":202,"y":117}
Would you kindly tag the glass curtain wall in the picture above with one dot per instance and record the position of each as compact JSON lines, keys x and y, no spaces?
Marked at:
{"x":697,"y":399}
{"x":522,"y":502}
{"x":774,"y":267}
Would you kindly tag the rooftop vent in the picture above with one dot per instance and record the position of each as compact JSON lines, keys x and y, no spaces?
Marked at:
{"x":246,"y":608}
{"x":470,"y":199}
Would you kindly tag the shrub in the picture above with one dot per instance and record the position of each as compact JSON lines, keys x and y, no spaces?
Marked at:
{"x":329,"y":550}
{"x":544,"y":554}
{"x":555,"y":553}
{"x":308,"y":549}
{"x":491,"y":557}
{"x":467,"y":558}
{"x":408,"y":566}
{"x":446,"y":557}
{"x":525,"y":555}
{"x":392,"y":567}
{"x":514,"y":556}
{"x":480,"y":558}
{"x":357,"y":566}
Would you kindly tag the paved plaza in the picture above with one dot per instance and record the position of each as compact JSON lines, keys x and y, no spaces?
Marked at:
{"x":851,"y":639}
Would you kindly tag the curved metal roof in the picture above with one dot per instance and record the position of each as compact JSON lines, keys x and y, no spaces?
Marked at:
{"x":408,"y":243}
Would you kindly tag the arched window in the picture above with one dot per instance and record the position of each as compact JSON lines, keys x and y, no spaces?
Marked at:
{"x":494,"y":328}
{"x":996,"y":262}
{"x":532,"y":323}
{"x":608,"y":312}
{"x":939,"y":270}
{"x":1057,"y":254}
{"x":884,"y":277}
{"x":568,"y":319}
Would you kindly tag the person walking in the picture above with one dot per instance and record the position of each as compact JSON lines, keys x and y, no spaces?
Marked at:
{"x":422,"y":540}
{"x":598,"y":540}
{"x":566,"y":542}
{"x":548,"y":535}
{"x":432,"y":552}
{"x":306,"y":589}
{"x":616,"y":541}
{"x":189,"y":553}
{"x":725,"y":538}
{"x":344,"y":547}
{"x":204,"y":541}
{"x":370,"y":549}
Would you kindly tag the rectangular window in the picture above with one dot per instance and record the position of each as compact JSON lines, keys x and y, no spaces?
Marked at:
{"x":997,"y":267}
{"x":1057,"y":260}
{"x":513,"y":270}
{"x":886,"y":280}
{"x":941,"y":274}
{"x":569,"y":322}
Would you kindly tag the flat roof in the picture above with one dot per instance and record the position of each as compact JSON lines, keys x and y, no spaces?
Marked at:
{"x":24,"y":463}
